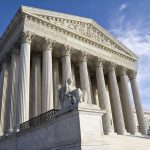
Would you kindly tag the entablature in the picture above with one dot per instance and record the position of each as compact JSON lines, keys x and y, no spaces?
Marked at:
{"x":64,"y":37}
{"x":82,"y":34}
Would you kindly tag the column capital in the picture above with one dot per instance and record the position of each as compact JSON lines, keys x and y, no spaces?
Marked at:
{"x":111,"y":66}
{"x":26,"y":37}
{"x":132,"y":74}
{"x":82,"y":56}
{"x":122,"y":71}
{"x":48,"y":44}
{"x":99,"y":62}
{"x":66,"y":50}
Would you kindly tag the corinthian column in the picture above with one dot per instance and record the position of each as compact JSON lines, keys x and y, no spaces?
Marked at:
{"x":73,"y":74}
{"x":66,"y":63}
{"x":116,"y":103}
{"x":104,"y":104}
{"x":35,"y":100}
{"x":137,"y":102}
{"x":56,"y":83}
{"x":23,"y":80}
{"x":3,"y":94}
{"x":126,"y":101}
{"x":11,"y":112}
{"x":84,"y":76}
{"x":47,"y":77}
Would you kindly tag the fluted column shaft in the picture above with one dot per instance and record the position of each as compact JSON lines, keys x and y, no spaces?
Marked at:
{"x":23,"y":80}
{"x":104,"y":104}
{"x":66,"y":64}
{"x":138,"y":104}
{"x":116,"y":103}
{"x":73,"y":74}
{"x":3,"y":94}
{"x":126,"y":101}
{"x":56,"y":83}
{"x":47,"y":77}
{"x":13,"y":91}
{"x":84,"y":77}
{"x":36,"y":85}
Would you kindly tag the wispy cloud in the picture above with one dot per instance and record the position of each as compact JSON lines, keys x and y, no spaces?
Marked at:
{"x":122,"y":7}
{"x":136,"y":36}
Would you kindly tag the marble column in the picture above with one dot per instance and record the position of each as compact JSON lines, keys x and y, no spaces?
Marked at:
{"x":47,"y":77}
{"x":91,"y":87}
{"x":126,"y":103}
{"x":35,"y":100}
{"x":115,"y":98}
{"x":84,"y":77}
{"x":104,"y":104}
{"x":22,"y":112}
{"x":13,"y":82}
{"x":66,"y":63}
{"x":56,"y":83}
{"x":3,"y":94}
{"x":73,"y":74}
{"x":137,"y":102}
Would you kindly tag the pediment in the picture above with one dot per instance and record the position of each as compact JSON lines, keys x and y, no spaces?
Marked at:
{"x":84,"y":27}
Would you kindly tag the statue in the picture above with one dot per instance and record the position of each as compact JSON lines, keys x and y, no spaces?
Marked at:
{"x":70,"y":95}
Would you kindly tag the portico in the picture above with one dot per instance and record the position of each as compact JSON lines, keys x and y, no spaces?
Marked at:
{"x":45,"y":50}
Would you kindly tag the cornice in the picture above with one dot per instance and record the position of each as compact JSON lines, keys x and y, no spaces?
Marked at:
{"x":47,"y":13}
{"x":43,"y":12}
{"x":82,"y":38}
{"x":62,"y":31}
{"x":114,"y":39}
{"x":65,"y":37}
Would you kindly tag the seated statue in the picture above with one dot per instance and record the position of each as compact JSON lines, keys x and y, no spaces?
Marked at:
{"x":70,"y":95}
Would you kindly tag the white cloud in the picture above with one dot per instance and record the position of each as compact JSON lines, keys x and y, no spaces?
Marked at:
{"x":136,"y":36}
{"x":122,"y":7}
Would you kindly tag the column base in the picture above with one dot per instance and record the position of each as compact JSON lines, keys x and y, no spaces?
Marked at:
{"x":123,"y":132}
{"x":16,"y":129}
{"x":8,"y":132}
{"x":144,"y":133}
{"x":137,"y":133}
{"x":111,"y":133}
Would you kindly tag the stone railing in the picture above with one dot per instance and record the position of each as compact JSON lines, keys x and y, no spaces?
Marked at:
{"x":38,"y":121}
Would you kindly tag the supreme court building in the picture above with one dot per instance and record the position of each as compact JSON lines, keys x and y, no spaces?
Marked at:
{"x":39,"y":51}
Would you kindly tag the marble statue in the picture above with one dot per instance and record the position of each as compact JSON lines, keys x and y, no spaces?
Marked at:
{"x":70,"y":95}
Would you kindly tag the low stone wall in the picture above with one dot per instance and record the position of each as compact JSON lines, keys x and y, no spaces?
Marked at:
{"x":79,"y":129}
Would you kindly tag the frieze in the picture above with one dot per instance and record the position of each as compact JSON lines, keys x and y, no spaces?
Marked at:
{"x":53,"y":26}
{"x":62,"y":34}
{"x":85,"y":29}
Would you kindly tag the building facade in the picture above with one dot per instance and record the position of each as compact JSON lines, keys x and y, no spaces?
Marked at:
{"x":41,"y":49}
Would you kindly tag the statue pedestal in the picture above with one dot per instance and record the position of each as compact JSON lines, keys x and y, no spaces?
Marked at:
{"x":84,"y":122}
{"x":75,"y":127}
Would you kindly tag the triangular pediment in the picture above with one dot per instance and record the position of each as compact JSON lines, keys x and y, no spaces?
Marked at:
{"x":87,"y":28}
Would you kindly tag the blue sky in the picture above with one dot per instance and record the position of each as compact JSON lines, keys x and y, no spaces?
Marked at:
{"x":128,"y":20}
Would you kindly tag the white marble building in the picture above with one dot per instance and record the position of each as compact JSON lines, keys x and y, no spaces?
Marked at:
{"x":40,"y":49}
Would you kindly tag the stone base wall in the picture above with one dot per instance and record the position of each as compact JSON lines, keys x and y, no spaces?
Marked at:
{"x":78,"y":129}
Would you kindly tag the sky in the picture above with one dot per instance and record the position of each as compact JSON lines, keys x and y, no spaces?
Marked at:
{"x":127,"y":20}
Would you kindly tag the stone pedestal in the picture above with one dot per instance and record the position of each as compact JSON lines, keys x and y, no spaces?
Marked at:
{"x":79,"y":128}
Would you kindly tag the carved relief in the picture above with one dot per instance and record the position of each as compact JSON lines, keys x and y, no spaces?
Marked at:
{"x":85,"y":29}
{"x":26,"y":37}
{"x":66,"y":50}
{"x":46,"y":28}
{"x":48,"y":44}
